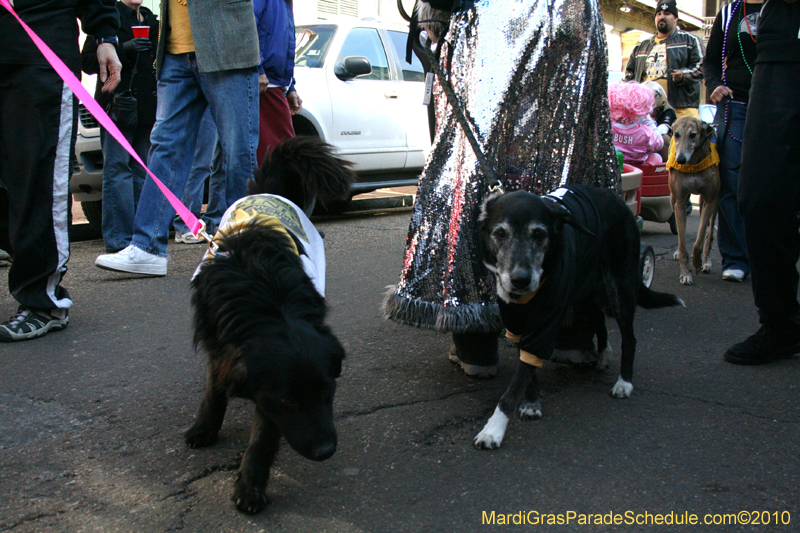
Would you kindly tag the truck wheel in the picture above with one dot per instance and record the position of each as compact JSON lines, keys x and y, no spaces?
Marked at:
{"x":647,"y":264}
{"x":94,"y":214}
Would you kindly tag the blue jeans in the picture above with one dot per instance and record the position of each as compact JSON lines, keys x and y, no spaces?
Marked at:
{"x":184,"y":93}
{"x":208,"y":164}
{"x":123,"y":179}
{"x":730,"y":236}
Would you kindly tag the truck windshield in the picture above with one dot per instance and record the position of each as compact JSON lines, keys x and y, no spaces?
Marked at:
{"x":312,"y":44}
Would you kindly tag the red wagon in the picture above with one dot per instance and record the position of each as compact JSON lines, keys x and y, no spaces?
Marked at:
{"x":656,"y":203}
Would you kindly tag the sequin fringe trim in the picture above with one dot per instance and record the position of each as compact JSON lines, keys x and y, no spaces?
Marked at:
{"x":465,"y":318}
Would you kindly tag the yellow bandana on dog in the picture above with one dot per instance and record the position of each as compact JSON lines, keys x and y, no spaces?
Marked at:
{"x":282,"y":216}
{"x":241,"y":218}
{"x":711,"y":160}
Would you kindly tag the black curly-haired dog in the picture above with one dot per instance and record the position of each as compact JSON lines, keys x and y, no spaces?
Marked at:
{"x":260,"y":319}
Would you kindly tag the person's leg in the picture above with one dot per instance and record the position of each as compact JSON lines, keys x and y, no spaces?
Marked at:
{"x":201,"y":170}
{"x":216,"y":191}
{"x":36,"y":166}
{"x":119,"y":204}
{"x":141,"y":145}
{"x":769,"y":198}
{"x":476,"y":353}
{"x":180,"y":108}
{"x":233,"y":99}
{"x":275,"y":121}
{"x":6,"y":251}
{"x":730,"y":236}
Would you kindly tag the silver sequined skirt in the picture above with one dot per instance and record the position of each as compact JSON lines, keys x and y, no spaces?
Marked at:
{"x":532,"y":75}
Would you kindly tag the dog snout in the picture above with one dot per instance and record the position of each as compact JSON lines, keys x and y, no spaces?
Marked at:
{"x":681,"y":159}
{"x":323,"y":451}
{"x":520,"y":278}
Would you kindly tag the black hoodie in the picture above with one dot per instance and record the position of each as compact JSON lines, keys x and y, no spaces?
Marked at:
{"x":55,"y":21}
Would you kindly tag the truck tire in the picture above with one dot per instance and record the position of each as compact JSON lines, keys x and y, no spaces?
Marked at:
{"x":94,"y":214}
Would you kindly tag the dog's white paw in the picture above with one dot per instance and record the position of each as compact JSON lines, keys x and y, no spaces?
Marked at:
{"x":491,"y":437}
{"x":622,"y":388}
{"x":686,"y":279}
{"x":605,"y":359}
{"x":530,"y":410}
{"x":706,"y":268}
{"x":676,"y":256}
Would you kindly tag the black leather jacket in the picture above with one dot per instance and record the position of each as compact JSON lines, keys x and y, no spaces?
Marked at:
{"x":143,"y":85}
{"x":685,"y":53}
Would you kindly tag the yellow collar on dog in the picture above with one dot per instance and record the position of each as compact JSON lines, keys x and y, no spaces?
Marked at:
{"x":711,"y":160}
{"x":241,"y":218}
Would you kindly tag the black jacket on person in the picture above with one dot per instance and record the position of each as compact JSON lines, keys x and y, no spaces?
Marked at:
{"x":143,"y":86}
{"x":55,"y":21}
{"x":779,"y":32}
{"x":685,"y":53}
{"x":737,"y":74}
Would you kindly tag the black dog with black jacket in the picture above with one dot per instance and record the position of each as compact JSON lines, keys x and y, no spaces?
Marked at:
{"x":574,"y":249}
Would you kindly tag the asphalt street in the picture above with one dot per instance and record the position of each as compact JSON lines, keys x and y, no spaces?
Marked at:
{"x":91,"y":418}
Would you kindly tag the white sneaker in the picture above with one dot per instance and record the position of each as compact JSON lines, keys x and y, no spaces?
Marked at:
{"x":132,"y":259}
{"x":733,"y":274}
{"x":188,"y":238}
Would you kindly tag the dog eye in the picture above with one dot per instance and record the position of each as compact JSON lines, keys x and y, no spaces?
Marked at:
{"x":677,"y":135}
{"x":692,"y":135}
{"x":539,"y":234}
{"x":500,"y":233}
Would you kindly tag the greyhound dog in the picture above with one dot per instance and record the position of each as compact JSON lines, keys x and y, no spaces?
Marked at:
{"x":693,"y":169}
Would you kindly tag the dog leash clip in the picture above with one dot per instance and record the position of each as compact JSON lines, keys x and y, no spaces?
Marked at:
{"x":213,"y":248}
{"x":496,"y":187}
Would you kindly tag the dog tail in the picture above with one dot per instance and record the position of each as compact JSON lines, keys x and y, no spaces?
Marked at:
{"x":303,"y":169}
{"x":650,"y":299}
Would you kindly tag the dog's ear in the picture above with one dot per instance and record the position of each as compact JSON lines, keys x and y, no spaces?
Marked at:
{"x":563,"y":214}
{"x":709,"y":132}
{"x":333,"y":350}
{"x":486,"y":206}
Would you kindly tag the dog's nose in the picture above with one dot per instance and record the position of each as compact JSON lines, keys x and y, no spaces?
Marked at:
{"x":520,"y":278}
{"x":323,"y":451}
{"x":681,"y":159}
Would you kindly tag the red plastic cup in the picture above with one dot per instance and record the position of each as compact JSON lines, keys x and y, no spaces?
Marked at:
{"x":140,"y":31}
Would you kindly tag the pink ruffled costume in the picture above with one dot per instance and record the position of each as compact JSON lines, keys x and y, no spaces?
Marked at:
{"x":635,"y":133}
{"x":638,"y":142}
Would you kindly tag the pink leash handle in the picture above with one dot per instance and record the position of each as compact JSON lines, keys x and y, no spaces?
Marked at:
{"x":196,"y":226}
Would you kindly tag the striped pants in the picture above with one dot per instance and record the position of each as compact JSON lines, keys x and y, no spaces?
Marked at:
{"x":38,"y":124}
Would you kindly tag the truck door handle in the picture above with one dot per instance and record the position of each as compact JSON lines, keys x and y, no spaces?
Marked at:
{"x":391,"y":94}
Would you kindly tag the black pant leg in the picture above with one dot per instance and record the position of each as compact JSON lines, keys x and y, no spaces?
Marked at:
{"x":477,"y":348}
{"x":38,"y":120}
{"x":769,"y":190}
{"x":5,"y":242}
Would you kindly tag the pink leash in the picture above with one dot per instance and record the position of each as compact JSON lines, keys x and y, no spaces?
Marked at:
{"x":196,"y":226}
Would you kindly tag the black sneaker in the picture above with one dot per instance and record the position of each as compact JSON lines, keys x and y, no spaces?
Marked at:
{"x":27,"y":324}
{"x":764,"y":346}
